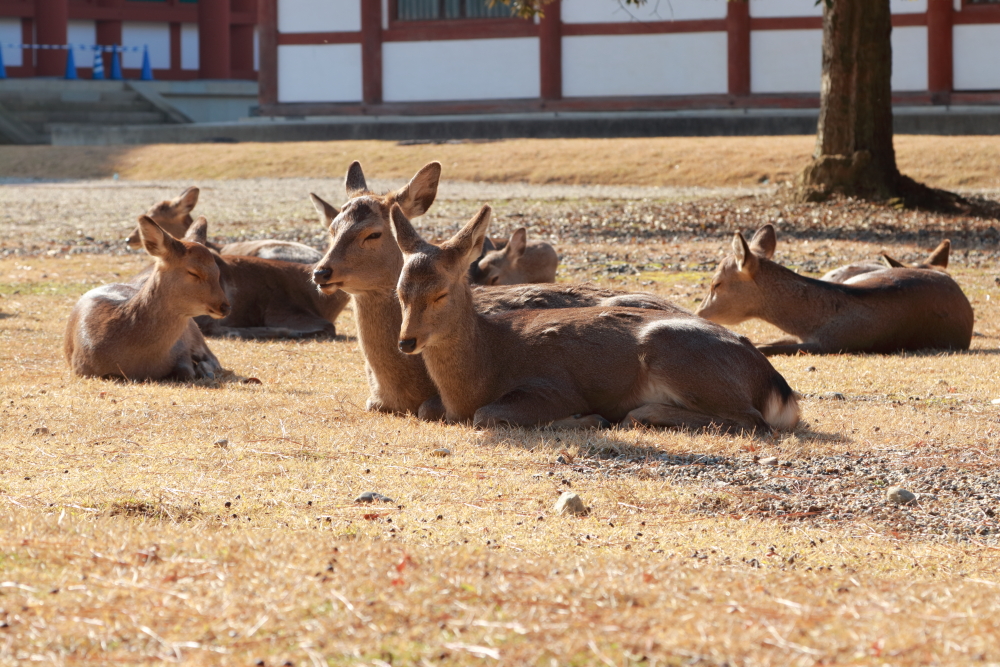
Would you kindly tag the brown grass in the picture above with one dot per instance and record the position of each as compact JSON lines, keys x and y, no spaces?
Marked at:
{"x":130,"y":536}
{"x":947,"y":162}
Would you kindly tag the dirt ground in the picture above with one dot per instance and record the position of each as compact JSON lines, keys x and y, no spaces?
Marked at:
{"x":216,"y":523}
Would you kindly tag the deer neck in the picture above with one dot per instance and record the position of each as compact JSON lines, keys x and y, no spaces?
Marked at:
{"x":796,"y":304}
{"x":458,"y":361}
{"x":398,"y":380}
{"x":154,"y":322}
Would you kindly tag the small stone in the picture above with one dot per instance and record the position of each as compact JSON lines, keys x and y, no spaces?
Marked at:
{"x":995,"y":401}
{"x":441,"y":452}
{"x":372,"y":496}
{"x":561,"y":459}
{"x":900,"y":496}
{"x":769,"y":461}
{"x":571,"y":503}
{"x":810,"y":369}
{"x":41,"y":430}
{"x":833,"y":396}
{"x":221,"y":443}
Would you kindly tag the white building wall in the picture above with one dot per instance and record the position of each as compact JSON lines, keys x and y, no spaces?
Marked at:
{"x":10,"y":33}
{"x":319,"y":73}
{"x":977,"y":57}
{"x":189,"y":46}
{"x":461,"y":69}
{"x":79,"y":33}
{"x":319,"y":15}
{"x":609,"y":11}
{"x":785,"y":61}
{"x":785,"y":8}
{"x":155,"y":36}
{"x":908,"y":6}
{"x":909,"y":58}
{"x":670,"y":64}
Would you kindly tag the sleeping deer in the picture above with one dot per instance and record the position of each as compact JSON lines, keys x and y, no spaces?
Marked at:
{"x":577,"y":366}
{"x":892,"y":310}
{"x":364,"y":261}
{"x":174,"y":217}
{"x":268,"y":298}
{"x":145,"y":331}
{"x":938,"y":261}
{"x":515,"y":262}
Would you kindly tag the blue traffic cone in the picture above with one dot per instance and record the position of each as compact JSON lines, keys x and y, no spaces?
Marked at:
{"x":3,"y":71}
{"x":147,"y":69}
{"x":70,"y":65}
{"x":116,"y":64}
{"x":98,"y":64}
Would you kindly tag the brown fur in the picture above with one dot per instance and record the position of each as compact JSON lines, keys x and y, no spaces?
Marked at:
{"x":365,"y":261}
{"x":174,"y":217}
{"x":537,"y":367}
{"x":269,"y":298}
{"x":892,"y":310}
{"x":145,"y":331}
{"x":516,"y":262}
{"x":937,"y":260}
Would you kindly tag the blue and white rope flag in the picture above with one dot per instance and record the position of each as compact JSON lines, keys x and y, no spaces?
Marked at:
{"x":98,"y":65}
{"x":114,"y":49}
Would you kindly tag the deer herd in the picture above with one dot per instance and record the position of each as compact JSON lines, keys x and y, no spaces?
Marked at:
{"x":476,"y":330}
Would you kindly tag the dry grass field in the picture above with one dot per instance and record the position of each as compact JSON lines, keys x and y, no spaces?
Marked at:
{"x":215,"y":523}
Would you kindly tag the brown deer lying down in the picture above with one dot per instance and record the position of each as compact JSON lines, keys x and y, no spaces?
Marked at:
{"x":515,"y":262}
{"x":174,"y":217}
{"x":269,"y":298}
{"x":364,"y":261}
{"x":938,"y":261}
{"x":893,"y":310}
{"x":538,"y":367}
{"x":144,"y":331}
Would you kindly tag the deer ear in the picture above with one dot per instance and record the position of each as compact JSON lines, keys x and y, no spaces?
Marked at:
{"x":488,"y":245}
{"x":939,"y":257}
{"x":156,"y":241}
{"x":746,"y":261}
{"x":355,"y":180}
{"x":187,"y":200}
{"x":517,"y":244}
{"x":891,"y":263}
{"x":468,"y":242}
{"x":407,"y":238}
{"x":764,"y":241}
{"x":416,"y":197}
{"x":326,"y":212}
{"x":198,"y":231}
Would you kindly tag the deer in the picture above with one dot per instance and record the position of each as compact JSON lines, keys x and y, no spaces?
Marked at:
{"x":174,"y":217}
{"x":575,"y":367}
{"x":269,"y":298}
{"x":937,"y":261}
{"x":515,"y":262}
{"x":145,"y":330}
{"x":894,"y":310}
{"x":363,"y":260}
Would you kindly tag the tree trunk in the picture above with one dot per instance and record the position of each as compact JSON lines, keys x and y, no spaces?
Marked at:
{"x":854,"y":153}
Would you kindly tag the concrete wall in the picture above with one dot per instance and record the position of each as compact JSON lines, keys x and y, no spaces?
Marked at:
{"x":319,"y":15}
{"x":785,"y":61}
{"x":319,"y":73}
{"x":460,"y":69}
{"x":625,"y":65}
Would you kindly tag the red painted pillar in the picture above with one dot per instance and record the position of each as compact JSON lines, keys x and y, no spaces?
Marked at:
{"x":28,"y":37}
{"x":108,"y":34}
{"x":242,"y":50}
{"x":738,"y":34}
{"x":371,"y":51}
{"x":550,"y":50}
{"x":213,"y":39}
{"x":267,"y":75}
{"x":175,"y":49}
{"x":940,"y":72}
{"x":51,"y":21}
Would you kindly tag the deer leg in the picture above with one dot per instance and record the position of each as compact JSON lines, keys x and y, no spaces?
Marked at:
{"x":669,"y":416}
{"x":538,"y":406}
{"x":432,"y":410}
{"x":300,"y":322}
{"x":788,"y":346}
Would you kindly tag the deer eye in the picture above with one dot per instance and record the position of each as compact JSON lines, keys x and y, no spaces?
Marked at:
{"x":194,"y":275}
{"x":372,"y":237}
{"x":441,"y":298}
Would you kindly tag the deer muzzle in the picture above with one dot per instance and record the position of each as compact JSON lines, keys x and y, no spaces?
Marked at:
{"x":408,"y":346}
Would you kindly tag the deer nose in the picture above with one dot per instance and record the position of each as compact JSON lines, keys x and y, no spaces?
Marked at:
{"x":321,"y":276}
{"x":408,"y":346}
{"x":224,"y":308}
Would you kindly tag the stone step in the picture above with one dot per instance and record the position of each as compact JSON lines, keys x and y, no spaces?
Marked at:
{"x":23,"y":106}
{"x":96,"y":117}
